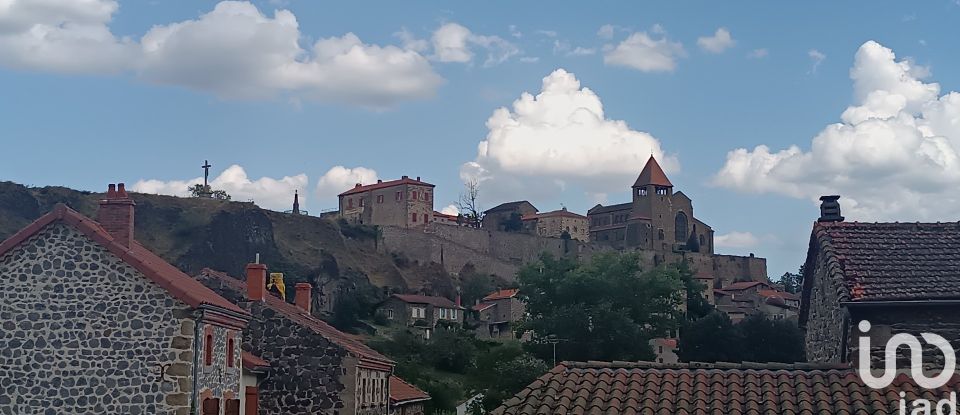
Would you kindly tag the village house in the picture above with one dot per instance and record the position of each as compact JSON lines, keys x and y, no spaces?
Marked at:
{"x":899,"y":277}
{"x":665,"y":349}
{"x":507,"y":217}
{"x":556,"y":224}
{"x":406,"y":399}
{"x":313,"y":367}
{"x":421,"y":311}
{"x":497,"y":313}
{"x":742,"y":299}
{"x":93,"y":322}
{"x":405,"y":203}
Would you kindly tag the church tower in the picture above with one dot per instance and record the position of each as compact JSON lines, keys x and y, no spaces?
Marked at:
{"x":653,"y":200}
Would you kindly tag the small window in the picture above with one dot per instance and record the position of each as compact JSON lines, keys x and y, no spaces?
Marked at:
{"x":208,"y":351}
{"x":350,"y":203}
{"x":413,"y":195}
{"x":230,"y":353}
{"x":425,"y":220}
{"x":643,"y":191}
{"x":361,"y":202}
{"x":399,"y":195}
{"x":660,"y":234}
{"x":413,"y":217}
{"x":379,"y":198}
{"x":390,"y":314}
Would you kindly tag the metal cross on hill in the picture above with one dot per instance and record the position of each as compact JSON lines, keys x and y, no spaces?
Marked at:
{"x":206,"y":172}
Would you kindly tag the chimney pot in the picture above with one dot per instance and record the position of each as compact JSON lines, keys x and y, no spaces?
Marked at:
{"x":405,"y":177}
{"x":830,"y":209}
{"x":256,"y":282}
{"x":116,"y":214}
{"x":379,"y":181}
{"x":418,"y":178}
{"x":357,"y":185}
{"x":302,"y":297}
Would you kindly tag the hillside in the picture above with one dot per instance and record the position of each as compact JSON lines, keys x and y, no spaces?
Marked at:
{"x":196,"y":233}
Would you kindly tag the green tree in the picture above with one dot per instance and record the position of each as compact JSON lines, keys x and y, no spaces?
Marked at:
{"x":606,"y":309}
{"x":792,"y":283}
{"x":450,"y":350}
{"x":757,"y":339}
{"x":474,"y":286}
{"x":697,"y":306}
{"x":199,"y":190}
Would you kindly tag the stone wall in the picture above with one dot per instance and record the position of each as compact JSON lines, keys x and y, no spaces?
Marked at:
{"x":305,"y":368}
{"x":913,"y":320}
{"x":826,"y":319}
{"x":83,"y":332}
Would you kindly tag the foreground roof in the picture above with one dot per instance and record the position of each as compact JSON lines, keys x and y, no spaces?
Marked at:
{"x":383,"y":185}
{"x":652,"y":174}
{"x":657,"y":388}
{"x":426,"y":299}
{"x":888,"y":261}
{"x":402,"y":392}
{"x":167,"y":276}
{"x":293,"y":313}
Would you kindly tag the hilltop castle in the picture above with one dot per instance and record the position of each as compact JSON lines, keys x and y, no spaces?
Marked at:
{"x":657,"y":219}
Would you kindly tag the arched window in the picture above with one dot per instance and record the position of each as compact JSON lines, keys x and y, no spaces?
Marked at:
{"x":680,"y":225}
{"x":230,"y":356}
{"x":660,"y":234}
{"x":208,"y":350}
{"x":702,"y":241}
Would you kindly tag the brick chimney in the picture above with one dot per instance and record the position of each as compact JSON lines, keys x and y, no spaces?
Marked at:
{"x":830,"y":209}
{"x":302,"y":297}
{"x":256,"y":282}
{"x":116,"y":214}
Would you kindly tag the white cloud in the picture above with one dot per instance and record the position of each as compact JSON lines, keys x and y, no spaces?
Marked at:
{"x":234,"y":51}
{"x":644,"y":53}
{"x":758,"y":53}
{"x":68,"y":36}
{"x":817,"y":57}
{"x":893,"y":156}
{"x":339,"y":179}
{"x":547,"y":33}
{"x":270,"y":193}
{"x":559,"y":137}
{"x":562,"y":47}
{"x":453,"y":42}
{"x":718,"y":43}
{"x":606,"y":31}
{"x":450,"y":210}
{"x":736,"y":240}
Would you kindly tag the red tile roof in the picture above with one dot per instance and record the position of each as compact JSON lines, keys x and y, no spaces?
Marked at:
{"x":652,"y":174}
{"x":167,"y":276}
{"x":483,"y":306}
{"x":744,"y":285}
{"x":349,"y":342}
{"x":888,"y":261}
{"x":253,"y":362}
{"x":402,"y":392}
{"x":427,"y":299}
{"x":502,"y":294}
{"x":384,"y":185}
{"x":779,"y":294}
{"x":658,"y":388}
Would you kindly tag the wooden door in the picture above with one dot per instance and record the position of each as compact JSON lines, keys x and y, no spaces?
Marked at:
{"x":231,"y":407}
{"x":252,"y":400}
{"x":211,"y":406}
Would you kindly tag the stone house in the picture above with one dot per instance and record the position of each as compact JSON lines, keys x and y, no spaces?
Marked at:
{"x":405,"y":203}
{"x":657,"y":219}
{"x":421,"y":311}
{"x":313,"y":367}
{"x":554,"y":224}
{"x":498,"y":312}
{"x":742,"y":299}
{"x":93,"y":322}
{"x":406,"y":399}
{"x":899,"y":277}
{"x":498,"y":217}
{"x":665,"y":349}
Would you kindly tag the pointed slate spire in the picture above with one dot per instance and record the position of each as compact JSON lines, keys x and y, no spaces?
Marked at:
{"x":652,"y":174}
{"x":296,"y":203}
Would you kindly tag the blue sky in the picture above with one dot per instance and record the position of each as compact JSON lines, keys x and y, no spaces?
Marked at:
{"x":96,"y":91}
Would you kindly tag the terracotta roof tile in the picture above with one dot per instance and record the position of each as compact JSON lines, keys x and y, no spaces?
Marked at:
{"x":652,"y":174}
{"x":403,"y":392}
{"x":502,"y":294}
{"x":383,"y":185}
{"x":891,"y":261}
{"x":349,"y":342}
{"x":651,"y":388}
{"x":426,"y":299}
{"x":253,"y":361}
{"x":180,"y":285}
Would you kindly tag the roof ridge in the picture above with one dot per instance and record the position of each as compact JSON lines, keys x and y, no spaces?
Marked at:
{"x":771,"y":366}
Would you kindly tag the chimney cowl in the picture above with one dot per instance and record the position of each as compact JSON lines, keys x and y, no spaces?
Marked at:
{"x":830,"y":209}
